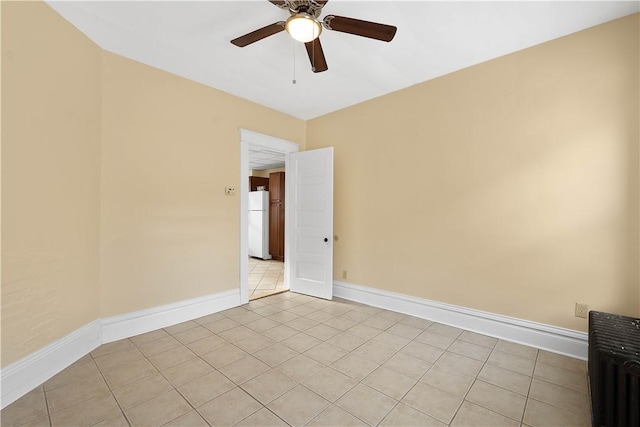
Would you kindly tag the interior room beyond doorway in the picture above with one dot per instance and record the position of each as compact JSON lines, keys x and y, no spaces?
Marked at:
{"x":266,"y":277}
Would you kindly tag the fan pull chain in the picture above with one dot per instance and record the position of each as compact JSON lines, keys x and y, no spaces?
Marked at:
{"x":294,"y":63}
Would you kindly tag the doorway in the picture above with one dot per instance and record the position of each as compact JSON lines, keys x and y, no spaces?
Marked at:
{"x":262,"y":151}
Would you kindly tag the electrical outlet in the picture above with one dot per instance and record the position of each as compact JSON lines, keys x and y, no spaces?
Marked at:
{"x":582,"y":310}
{"x":344,"y":274}
{"x":229,"y":191}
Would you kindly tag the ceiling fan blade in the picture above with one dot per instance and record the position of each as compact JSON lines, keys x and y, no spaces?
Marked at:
{"x":258,"y":34}
{"x":372,"y":30}
{"x":280,"y":3}
{"x":316,"y":56}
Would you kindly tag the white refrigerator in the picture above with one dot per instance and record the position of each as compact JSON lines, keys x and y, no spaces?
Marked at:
{"x":259,"y":224}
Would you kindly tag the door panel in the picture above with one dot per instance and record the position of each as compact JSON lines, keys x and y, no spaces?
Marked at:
{"x":310,"y":222}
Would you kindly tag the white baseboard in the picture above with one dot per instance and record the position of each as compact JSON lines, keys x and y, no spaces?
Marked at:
{"x":558,"y":340}
{"x":22,"y":376}
{"x":138,"y":322}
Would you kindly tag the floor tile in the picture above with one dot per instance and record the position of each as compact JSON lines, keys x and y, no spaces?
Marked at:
{"x":210,"y":318}
{"x":478,"y":339}
{"x":517,"y":349}
{"x":262,"y":418}
{"x":159,"y":410}
{"x":330,"y":384}
{"x":244,"y":369}
{"x":354,"y":366}
{"x":190,"y":419}
{"x":280,"y":333}
{"x":435,"y":340}
{"x":570,"y":379}
{"x":451,"y":382}
{"x":511,"y":362}
{"x":301,"y":324}
{"x":268,"y":386}
{"x":112,"y":347}
{"x":254,"y":343}
{"x":542,"y":414}
{"x":24,"y":410}
{"x":137,"y":370}
{"x":458,"y":364}
{"x":142,"y":390}
{"x":298,"y":406}
{"x":505,"y":378}
{"x":72,"y":374}
{"x":72,"y":394}
{"x":193,"y":334}
{"x":275,"y":355}
{"x":497,"y":399}
{"x":364,"y":331}
{"x":221,"y":325}
{"x":560,"y":397}
{"x":405,"y":331}
{"x":87,"y":413}
{"x":405,"y":416}
{"x":115,"y":421}
{"x":346,"y":341}
{"x":300,"y":368}
{"x":342,"y":323}
{"x":561,"y":361}
{"x":445,"y":330}
{"x":374,"y":352}
{"x":474,"y":415}
{"x":172,"y":357}
{"x":416,"y":322}
{"x":322,"y":332}
{"x":301,"y":342}
{"x":149,"y":336}
{"x":236,"y":334}
{"x":390,"y":340}
{"x":367,"y":404}
{"x":319,"y":316}
{"x":407,"y":365}
{"x":155,"y":347}
{"x":187,"y":371}
{"x":335,"y":416}
{"x":391,"y":383}
{"x":261,"y":324}
{"x":181,"y":327}
{"x":206,"y":345}
{"x":325,"y":353}
{"x":472,"y":351}
{"x":422,"y":351}
{"x":381,"y":323}
{"x":229,"y":408}
{"x":432,"y":401}
{"x":118,"y":359}
{"x":205,"y":388}
{"x":223,"y":356}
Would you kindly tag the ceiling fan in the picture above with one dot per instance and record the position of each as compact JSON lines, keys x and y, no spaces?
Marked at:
{"x":303,"y":25}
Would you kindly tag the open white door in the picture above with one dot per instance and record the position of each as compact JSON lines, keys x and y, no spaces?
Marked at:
{"x":309,"y":220}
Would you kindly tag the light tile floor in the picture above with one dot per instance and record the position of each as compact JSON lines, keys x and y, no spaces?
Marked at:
{"x":290,"y":359}
{"x":266,"y":277}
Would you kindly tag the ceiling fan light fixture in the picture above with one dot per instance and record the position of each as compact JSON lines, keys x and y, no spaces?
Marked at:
{"x":303,"y":27}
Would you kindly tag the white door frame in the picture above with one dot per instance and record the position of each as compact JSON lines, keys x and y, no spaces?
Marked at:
{"x":250,"y":139}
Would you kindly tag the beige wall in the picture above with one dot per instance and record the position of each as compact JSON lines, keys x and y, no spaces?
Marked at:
{"x":170,"y":146}
{"x":50,"y":178}
{"x":509,"y":187}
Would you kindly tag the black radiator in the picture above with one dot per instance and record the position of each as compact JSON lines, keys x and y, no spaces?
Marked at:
{"x":614,"y":369}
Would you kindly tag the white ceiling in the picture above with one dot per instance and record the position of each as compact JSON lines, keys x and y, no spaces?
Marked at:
{"x":191,"y":39}
{"x":263,"y":159}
